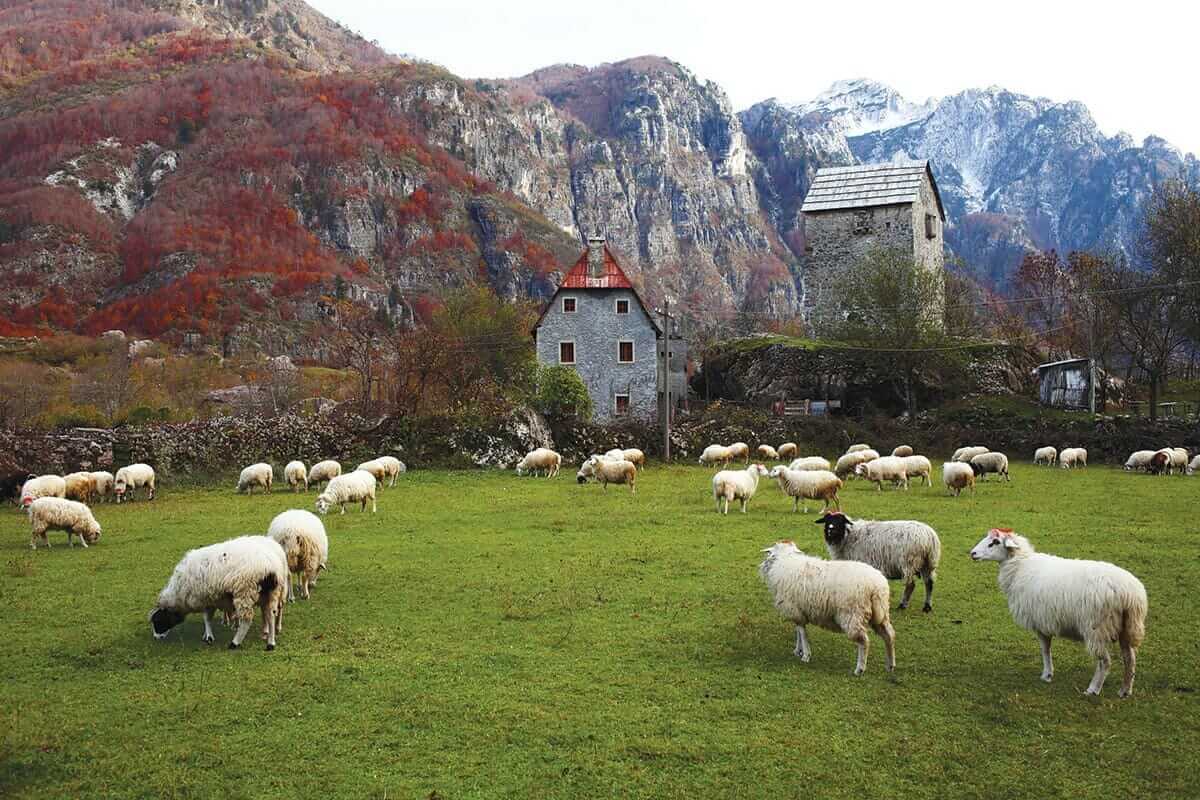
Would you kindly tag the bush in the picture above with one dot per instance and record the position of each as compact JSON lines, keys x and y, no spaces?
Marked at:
{"x":561,"y":394}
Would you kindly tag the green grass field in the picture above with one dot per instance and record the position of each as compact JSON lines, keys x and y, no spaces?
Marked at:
{"x":489,"y":636}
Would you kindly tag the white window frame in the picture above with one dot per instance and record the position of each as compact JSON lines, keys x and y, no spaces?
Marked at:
{"x":573,"y":299}
{"x":617,"y":306}
{"x":628,"y":404}
{"x":632,"y":348}
{"x":574,"y":352}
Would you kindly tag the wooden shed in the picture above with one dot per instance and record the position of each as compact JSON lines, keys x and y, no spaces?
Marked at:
{"x":1065,"y":384}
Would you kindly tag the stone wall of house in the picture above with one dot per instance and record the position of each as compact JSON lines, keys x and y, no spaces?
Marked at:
{"x":928,"y":251}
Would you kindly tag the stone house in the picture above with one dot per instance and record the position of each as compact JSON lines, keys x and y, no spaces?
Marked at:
{"x":850,"y":211}
{"x":597,"y":323}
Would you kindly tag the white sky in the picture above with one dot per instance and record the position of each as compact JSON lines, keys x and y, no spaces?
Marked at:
{"x":1134,"y":65}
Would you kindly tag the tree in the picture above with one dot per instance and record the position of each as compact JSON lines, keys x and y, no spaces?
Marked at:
{"x":356,"y":345}
{"x":1169,"y":241}
{"x":1044,"y":284}
{"x":1096,"y":324}
{"x":561,"y":393}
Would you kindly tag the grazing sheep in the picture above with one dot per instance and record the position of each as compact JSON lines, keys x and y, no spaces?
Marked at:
{"x":986,"y":463}
{"x":57,"y":514}
{"x":903,"y":451}
{"x":767,"y":453}
{"x":1090,"y":601}
{"x":542,"y":459}
{"x":846,"y":596}
{"x":134,"y":477}
{"x":296,"y":475}
{"x":357,"y":486}
{"x":1072,"y":457}
{"x":788,"y":450}
{"x":1195,"y":465}
{"x":1046,"y":454}
{"x":1139,"y":459}
{"x":1160,"y":463}
{"x":615,"y":454}
{"x":808,"y":485}
{"x":608,"y":471}
{"x":261,"y":475}
{"x":858,"y":448}
{"x":958,"y":476}
{"x":965,"y":454}
{"x":323,"y":471}
{"x":383,"y":468}
{"x":716,"y":454}
{"x":302,"y":536}
{"x":395,"y":468}
{"x":850,"y":461}
{"x":79,"y":486}
{"x":1179,"y":459}
{"x":900,"y":549}
{"x":811,"y":463}
{"x":918,"y":466}
{"x":736,"y":484}
{"x":235,"y":576}
{"x":102,"y":484}
{"x":635,"y":457}
{"x":740,"y":450}
{"x":43,"y":486}
{"x":888,"y":468}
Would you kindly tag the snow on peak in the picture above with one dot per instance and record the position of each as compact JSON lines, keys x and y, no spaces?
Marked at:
{"x":861,"y":106}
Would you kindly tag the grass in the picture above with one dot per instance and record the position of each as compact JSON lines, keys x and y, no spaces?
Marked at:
{"x":486,"y":636}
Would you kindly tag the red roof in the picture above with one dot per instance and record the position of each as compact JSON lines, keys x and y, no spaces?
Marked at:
{"x":579,"y":276}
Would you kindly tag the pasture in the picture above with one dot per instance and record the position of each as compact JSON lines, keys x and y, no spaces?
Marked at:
{"x":489,"y":636}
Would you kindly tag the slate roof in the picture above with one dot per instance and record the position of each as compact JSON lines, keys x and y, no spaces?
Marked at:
{"x":865,"y":185}
{"x":613,"y":277}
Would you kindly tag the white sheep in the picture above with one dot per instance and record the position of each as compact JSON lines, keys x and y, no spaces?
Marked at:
{"x":811,"y":463}
{"x":986,"y":463}
{"x":1046,"y":454}
{"x":1193,"y":466}
{"x":615,"y":454}
{"x":918,"y":467}
{"x":1090,"y":601}
{"x":1072,"y":457}
{"x":394,"y":468}
{"x":803,"y":484}
{"x":736,"y":484}
{"x":767,"y":453}
{"x":384,"y":468}
{"x":634,"y":456}
{"x":958,"y":476}
{"x":302,"y":536}
{"x":965,"y":454}
{"x":888,"y":468}
{"x":261,"y":475}
{"x":542,"y":459}
{"x":323,"y":471}
{"x":607,"y":470}
{"x":900,"y":549}
{"x":57,"y":514}
{"x":353,"y":487}
{"x":1179,"y":459}
{"x":235,"y":576}
{"x":847,"y":464}
{"x":858,"y":448}
{"x":1139,"y":459}
{"x":902,"y":451}
{"x":788,"y":450}
{"x":132,"y":477}
{"x":79,"y":486}
{"x":102,"y":484}
{"x":846,"y":596}
{"x":716,"y":454}
{"x":43,"y":486}
{"x":740,"y":450}
{"x":296,"y":475}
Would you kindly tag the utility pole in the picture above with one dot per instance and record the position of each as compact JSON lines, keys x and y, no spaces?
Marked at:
{"x":1092,"y":355}
{"x":667,"y":379}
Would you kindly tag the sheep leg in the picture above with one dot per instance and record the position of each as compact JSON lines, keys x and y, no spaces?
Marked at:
{"x":888,"y":634}
{"x":1102,"y":664}
{"x":743,"y":500}
{"x":802,"y":651}
{"x":910,"y":583}
{"x":796,"y":504}
{"x":373,"y":507}
{"x":1129,"y":657}
{"x":343,"y":508}
{"x":859,"y":637}
{"x":1047,"y":660}
{"x":928,"y":606}
{"x":208,"y":637}
{"x":269,"y":619}
{"x":240,"y":634}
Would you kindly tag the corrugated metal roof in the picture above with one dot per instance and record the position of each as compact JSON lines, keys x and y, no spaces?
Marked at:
{"x":865,"y":185}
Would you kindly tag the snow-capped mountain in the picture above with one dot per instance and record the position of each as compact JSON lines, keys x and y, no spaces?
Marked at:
{"x":861,"y":106}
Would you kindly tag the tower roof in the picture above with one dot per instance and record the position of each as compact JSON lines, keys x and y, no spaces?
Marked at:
{"x":865,"y":185}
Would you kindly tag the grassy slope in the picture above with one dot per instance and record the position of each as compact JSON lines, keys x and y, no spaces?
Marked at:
{"x":487,"y":636}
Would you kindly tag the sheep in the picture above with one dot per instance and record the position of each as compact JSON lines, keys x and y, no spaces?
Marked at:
{"x":635,"y":457}
{"x":1072,"y":457}
{"x":918,"y":466}
{"x":1090,"y":601}
{"x":716,"y":454}
{"x":43,"y":486}
{"x":1047,"y":454}
{"x":302,"y":536}
{"x":296,"y":475}
{"x":858,"y":448}
{"x":260,"y":474}
{"x":965,"y":454}
{"x":810,"y":463}
{"x":102,"y":484}
{"x":1160,"y":463}
{"x":986,"y":463}
{"x":808,"y":485}
{"x":608,"y":471}
{"x":903,"y":451}
{"x":740,"y":450}
{"x":79,"y":486}
{"x":958,"y":476}
{"x":235,"y":576}
{"x":1179,"y":459}
{"x":615,"y":454}
{"x":357,"y":486}
{"x":1195,"y":465}
{"x":541,"y":459}
{"x":846,"y":596}
{"x":888,"y":468}
{"x":736,"y":484}
{"x":900,"y":549}
{"x":55,"y":513}
{"x":850,"y":461}
{"x":767,"y":453}
{"x":383,"y":468}
{"x":788,"y":450}
{"x":133,"y":477}
{"x":11,"y":483}
{"x":323,"y":471}
{"x":1139,"y":459}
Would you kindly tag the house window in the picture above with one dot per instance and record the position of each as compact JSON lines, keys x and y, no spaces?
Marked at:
{"x":621,"y":405}
{"x":625,"y":352}
{"x":568,"y":305}
{"x":930,"y":226}
{"x":566,"y":352}
{"x":622,"y":306}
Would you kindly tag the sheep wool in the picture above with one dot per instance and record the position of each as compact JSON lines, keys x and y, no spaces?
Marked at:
{"x":42,"y":486}
{"x":958,"y":476}
{"x":736,"y":484}
{"x":353,"y":487}
{"x":716,"y":454}
{"x":1139,"y":459}
{"x":133,"y":477}
{"x":804,"y":484}
{"x":540,"y":460}
{"x":79,"y":486}
{"x":788,"y":450}
{"x":918,"y":466}
{"x":296,"y":475}
{"x":607,"y":470}
{"x":260,"y":475}
{"x":302,"y":536}
{"x":102,"y":484}
{"x":740,"y":450}
{"x":634,"y":456}
{"x":965,"y":454}
{"x":767,"y":453}
{"x":888,"y":468}
{"x":323,"y":472}
{"x":858,"y":448}
{"x":848,"y":463}
{"x":903,"y":451}
{"x":1090,"y":601}
{"x":1072,"y":457}
{"x":55,"y":513}
{"x":1193,"y":466}
{"x":900,"y":549}
{"x":1046,"y":455}
{"x":985,"y":463}
{"x":811,"y":463}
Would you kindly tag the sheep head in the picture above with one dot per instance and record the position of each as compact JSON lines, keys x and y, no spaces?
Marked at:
{"x":162,"y":620}
{"x":836,"y":524}
{"x":996,"y":545}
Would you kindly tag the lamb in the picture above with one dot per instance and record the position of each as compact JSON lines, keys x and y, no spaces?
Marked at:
{"x":958,"y":476}
{"x":323,"y":471}
{"x":541,"y":459}
{"x":900,"y":549}
{"x":1072,"y":457}
{"x":79,"y":486}
{"x":102,"y":484}
{"x":55,"y":513}
{"x":1047,"y":454}
{"x":986,"y":463}
{"x":808,"y":485}
{"x":1139,"y":459}
{"x":296,"y":475}
{"x":965,"y":454}
{"x":810,"y":463}
{"x":918,"y":466}
{"x":43,"y":486}
{"x":383,"y":468}
{"x":1090,"y":601}
{"x":736,"y":484}
{"x":740,"y":450}
{"x":608,"y":471}
{"x":788,"y":450}
{"x":850,"y":461}
{"x":1195,"y":465}
{"x":716,"y":454}
{"x":767,"y":453}
{"x":635,"y":457}
{"x":133,"y":477}
{"x":234,"y":576}
{"x":846,"y":596}
{"x":301,"y":534}
{"x":903,"y":451}
{"x":260,"y":474}
{"x":357,"y":486}
{"x":888,"y":468}
{"x":858,"y":448}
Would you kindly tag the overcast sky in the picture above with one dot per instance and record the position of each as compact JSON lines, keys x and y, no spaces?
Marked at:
{"x":1133,"y":64}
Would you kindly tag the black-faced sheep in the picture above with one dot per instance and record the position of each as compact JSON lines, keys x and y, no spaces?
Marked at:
{"x":900,"y":549}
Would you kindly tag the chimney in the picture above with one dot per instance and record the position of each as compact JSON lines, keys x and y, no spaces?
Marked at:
{"x":595,"y":256}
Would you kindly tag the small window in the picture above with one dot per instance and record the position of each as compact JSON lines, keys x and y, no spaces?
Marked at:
{"x":621,"y":405}
{"x":930,"y":226}
{"x":625,"y":352}
{"x":622,"y":306}
{"x":568,"y":305}
{"x":566,"y":352}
